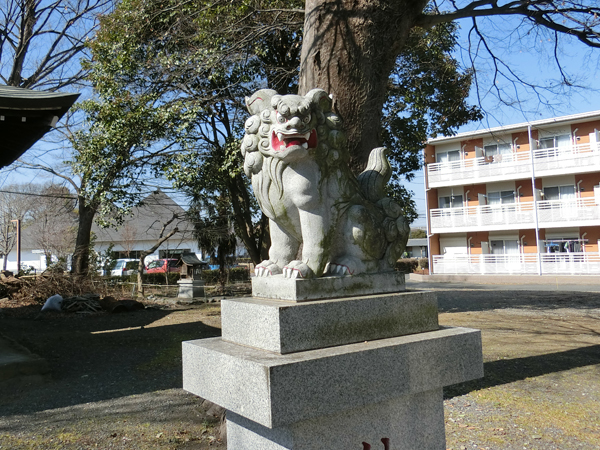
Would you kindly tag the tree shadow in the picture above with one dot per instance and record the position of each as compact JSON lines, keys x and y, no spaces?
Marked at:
{"x":506,"y":371}
{"x":95,"y":360}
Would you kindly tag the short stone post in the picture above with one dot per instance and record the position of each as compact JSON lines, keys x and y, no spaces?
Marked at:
{"x":310,"y":370}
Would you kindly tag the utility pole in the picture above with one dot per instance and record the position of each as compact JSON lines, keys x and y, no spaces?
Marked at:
{"x":18,"y":244}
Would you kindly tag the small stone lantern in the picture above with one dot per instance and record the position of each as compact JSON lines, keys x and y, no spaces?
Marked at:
{"x":190,"y":283}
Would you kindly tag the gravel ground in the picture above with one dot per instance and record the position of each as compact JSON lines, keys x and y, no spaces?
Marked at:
{"x":116,"y":378}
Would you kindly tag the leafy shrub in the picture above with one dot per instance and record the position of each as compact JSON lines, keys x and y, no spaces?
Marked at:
{"x":234,"y":274}
{"x":152,"y":278}
{"x":423,"y":263}
{"x":406,"y":265}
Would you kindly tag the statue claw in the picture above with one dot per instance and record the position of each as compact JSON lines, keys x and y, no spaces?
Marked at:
{"x":345,"y":266}
{"x":266,"y":269}
{"x":297,"y":269}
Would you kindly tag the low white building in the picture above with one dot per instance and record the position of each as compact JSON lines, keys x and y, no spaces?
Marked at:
{"x":142,"y":229}
{"x":139,"y":232}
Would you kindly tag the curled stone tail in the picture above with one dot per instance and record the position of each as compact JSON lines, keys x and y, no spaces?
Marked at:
{"x":373,"y":179}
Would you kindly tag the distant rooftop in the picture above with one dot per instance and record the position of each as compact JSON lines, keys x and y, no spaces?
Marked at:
{"x":25,"y":116}
{"x":517,"y":127}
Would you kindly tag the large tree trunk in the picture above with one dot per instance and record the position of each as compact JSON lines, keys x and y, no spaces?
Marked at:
{"x":81,"y":256}
{"x":349,"y":49}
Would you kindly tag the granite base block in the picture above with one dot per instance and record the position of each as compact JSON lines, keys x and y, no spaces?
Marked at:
{"x":414,"y":422}
{"x":286,"y":327}
{"x":190,"y":288}
{"x":299,"y":290}
{"x":279,"y":390}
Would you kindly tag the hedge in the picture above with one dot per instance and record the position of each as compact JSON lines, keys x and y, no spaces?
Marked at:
{"x":406,"y":265}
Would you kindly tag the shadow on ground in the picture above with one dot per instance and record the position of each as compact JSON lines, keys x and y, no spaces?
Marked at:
{"x":506,"y":371}
{"x":98,"y":358}
{"x":451,"y":301}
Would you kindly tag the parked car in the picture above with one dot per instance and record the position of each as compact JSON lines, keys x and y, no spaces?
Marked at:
{"x":124,"y":267}
{"x":163,"y":266}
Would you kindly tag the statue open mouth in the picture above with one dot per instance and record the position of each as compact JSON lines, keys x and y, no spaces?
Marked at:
{"x":281,"y":141}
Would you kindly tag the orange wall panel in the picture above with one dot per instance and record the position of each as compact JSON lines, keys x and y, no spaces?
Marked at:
{"x":429,"y":154}
{"x":476,"y":239}
{"x":592,"y":236}
{"x":529,"y":244}
{"x":469,"y":147}
{"x":588,"y":181}
{"x":474,"y":190}
{"x":584,"y":130}
{"x":522,"y":141}
{"x":526,"y":191}
{"x":434,"y":244}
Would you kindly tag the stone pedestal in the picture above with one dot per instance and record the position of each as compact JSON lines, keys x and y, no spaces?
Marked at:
{"x":332,"y":374}
{"x":190,"y":288}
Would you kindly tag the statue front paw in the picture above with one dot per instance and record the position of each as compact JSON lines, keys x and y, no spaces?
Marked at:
{"x":297,"y":269}
{"x":347,"y":265}
{"x":267,"y":268}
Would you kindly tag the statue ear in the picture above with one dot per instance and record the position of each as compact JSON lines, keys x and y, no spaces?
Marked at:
{"x":260,"y":100}
{"x":321,"y":98}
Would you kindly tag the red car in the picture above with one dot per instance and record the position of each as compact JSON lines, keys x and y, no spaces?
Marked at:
{"x":163,"y":266}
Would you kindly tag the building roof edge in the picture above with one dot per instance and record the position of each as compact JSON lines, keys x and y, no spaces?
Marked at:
{"x":523,"y":125}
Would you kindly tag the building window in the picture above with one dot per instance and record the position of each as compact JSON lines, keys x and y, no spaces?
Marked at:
{"x":445,"y":157}
{"x":559,"y":192}
{"x":497,"y":149}
{"x":500,"y":197}
{"x":451,"y":201}
{"x":504,"y":247}
{"x":560,"y":141}
{"x":564,"y":245}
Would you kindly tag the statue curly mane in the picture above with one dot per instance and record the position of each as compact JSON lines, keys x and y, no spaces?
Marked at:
{"x":265,"y":168}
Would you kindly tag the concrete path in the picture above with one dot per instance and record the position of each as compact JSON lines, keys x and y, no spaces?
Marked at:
{"x":18,"y":363}
{"x":563,"y":283}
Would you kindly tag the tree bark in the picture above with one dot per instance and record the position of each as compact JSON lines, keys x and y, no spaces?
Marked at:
{"x":349,"y":49}
{"x":81,"y":257}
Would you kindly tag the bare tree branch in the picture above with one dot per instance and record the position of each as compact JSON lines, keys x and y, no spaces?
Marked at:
{"x":580,"y":19}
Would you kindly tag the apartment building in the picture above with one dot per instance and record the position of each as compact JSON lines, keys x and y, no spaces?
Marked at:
{"x":519,"y":199}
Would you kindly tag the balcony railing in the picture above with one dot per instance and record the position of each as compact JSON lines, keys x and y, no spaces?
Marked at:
{"x":482,"y":217}
{"x":469,"y":170}
{"x":577,"y":158}
{"x":520,"y":263}
{"x":551,"y":213}
{"x":579,"y":210}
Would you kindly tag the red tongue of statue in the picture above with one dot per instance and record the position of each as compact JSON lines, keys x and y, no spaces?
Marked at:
{"x":292,"y":142}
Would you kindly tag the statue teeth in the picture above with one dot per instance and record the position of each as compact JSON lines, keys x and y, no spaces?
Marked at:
{"x":307,"y":136}
{"x":305,"y":145}
{"x":280,"y":137}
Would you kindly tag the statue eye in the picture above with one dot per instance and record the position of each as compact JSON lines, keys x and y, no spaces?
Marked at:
{"x":280,"y":118}
{"x":306,"y":120}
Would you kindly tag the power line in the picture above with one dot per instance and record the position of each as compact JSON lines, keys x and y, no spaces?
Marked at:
{"x":70,"y":197}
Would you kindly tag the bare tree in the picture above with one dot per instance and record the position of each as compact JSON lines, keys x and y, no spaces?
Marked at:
{"x":128,"y":234}
{"x":53,"y":225}
{"x":41,"y":41}
{"x":16,"y":203}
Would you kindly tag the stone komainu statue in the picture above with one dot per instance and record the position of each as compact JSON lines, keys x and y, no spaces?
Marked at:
{"x":323,"y":219}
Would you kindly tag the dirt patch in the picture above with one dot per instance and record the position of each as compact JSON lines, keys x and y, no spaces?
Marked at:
{"x":541,"y":388}
{"x":116,"y":378}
